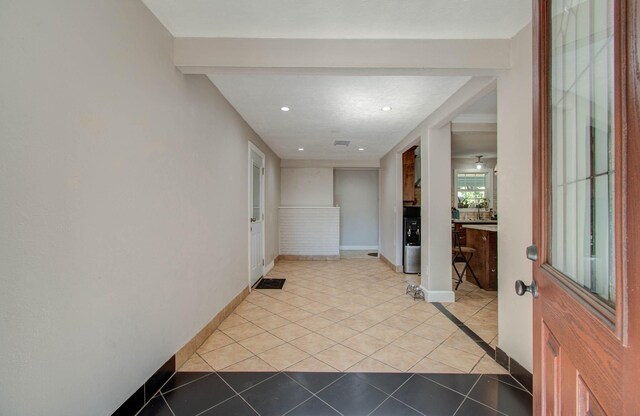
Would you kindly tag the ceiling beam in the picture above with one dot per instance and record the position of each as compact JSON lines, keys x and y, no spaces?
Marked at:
{"x":458,"y":127}
{"x":319,"y":163}
{"x":479,"y":57}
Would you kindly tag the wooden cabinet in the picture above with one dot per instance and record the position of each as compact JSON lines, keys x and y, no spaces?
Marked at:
{"x":485,"y":260}
{"x":409,"y":175}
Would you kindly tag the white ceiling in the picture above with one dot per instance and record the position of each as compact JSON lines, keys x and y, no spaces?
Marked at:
{"x":343,"y":19}
{"x":485,"y":105}
{"x":482,"y":112}
{"x":471,"y":144}
{"x":329,"y":108}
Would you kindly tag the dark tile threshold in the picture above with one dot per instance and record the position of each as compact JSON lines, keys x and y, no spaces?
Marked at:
{"x":517,"y":371}
{"x":148,"y":390}
{"x":346,"y":394}
{"x":488,"y":349}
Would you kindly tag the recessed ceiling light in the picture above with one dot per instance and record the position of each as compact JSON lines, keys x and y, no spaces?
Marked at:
{"x":361,"y":148}
{"x":285,"y":109}
{"x":386,"y":108}
{"x":300,"y":149}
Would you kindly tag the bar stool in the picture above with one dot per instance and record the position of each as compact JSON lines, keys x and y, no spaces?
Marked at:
{"x":461,"y":254}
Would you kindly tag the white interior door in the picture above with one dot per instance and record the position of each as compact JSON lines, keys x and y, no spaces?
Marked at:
{"x":256,"y":209}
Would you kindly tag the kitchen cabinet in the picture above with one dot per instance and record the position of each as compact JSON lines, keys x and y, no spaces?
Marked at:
{"x":484,"y":239}
{"x":462,"y":235}
{"x":409,"y":176}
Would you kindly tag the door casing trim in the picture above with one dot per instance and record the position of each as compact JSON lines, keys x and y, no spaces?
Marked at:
{"x":253,"y":147}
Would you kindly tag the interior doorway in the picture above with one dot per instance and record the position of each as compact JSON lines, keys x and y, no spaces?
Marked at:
{"x":474,"y":217}
{"x":356,"y":193}
{"x":256,"y":213}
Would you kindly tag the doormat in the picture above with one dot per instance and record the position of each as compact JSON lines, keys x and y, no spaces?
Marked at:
{"x":372,"y":254}
{"x":271,"y":284}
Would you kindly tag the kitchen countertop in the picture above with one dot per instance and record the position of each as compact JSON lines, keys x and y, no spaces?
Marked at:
{"x":481,"y":227}
{"x":474,"y":221}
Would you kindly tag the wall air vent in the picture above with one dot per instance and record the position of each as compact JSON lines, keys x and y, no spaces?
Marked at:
{"x":341,"y":143}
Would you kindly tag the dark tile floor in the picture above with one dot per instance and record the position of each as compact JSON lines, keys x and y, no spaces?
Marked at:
{"x":348,"y":394}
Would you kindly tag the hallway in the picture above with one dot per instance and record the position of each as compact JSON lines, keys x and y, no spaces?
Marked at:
{"x":342,"y":338}
{"x":350,"y":315}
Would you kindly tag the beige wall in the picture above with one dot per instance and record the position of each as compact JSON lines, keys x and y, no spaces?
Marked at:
{"x":307,"y":187}
{"x":356,"y":193}
{"x":123,"y":216}
{"x":514,"y":187}
{"x":389,"y":195}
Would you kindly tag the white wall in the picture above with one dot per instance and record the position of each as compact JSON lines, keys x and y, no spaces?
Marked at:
{"x":123,"y":214}
{"x":390,"y":198}
{"x":306,"y":187}
{"x":436,"y":214}
{"x":356,"y":193}
{"x":310,"y":231}
{"x":514,"y":187}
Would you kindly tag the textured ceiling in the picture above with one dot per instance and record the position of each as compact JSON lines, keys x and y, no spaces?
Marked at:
{"x":329,"y":108}
{"x":343,"y":19}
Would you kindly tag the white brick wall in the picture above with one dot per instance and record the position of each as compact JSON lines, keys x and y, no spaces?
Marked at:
{"x":310,"y":231}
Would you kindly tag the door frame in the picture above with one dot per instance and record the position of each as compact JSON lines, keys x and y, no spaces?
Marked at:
{"x":615,"y":333}
{"x":254,"y":148}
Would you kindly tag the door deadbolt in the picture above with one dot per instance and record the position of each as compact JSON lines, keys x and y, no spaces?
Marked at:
{"x":532,"y":252}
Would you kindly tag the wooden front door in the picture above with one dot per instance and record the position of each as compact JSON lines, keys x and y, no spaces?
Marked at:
{"x":586,"y":208}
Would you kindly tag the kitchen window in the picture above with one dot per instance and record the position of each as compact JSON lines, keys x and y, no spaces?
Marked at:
{"x":473,"y":188}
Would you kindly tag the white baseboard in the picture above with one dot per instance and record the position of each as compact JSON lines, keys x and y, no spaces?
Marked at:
{"x":347,"y":248}
{"x":438,"y":295}
{"x":268,"y":268}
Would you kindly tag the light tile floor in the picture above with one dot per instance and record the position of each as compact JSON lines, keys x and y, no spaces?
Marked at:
{"x":350,"y":315}
{"x":478,"y":309}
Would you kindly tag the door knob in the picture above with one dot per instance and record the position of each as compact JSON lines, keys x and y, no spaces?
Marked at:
{"x":521,"y":288}
{"x":253,"y":220}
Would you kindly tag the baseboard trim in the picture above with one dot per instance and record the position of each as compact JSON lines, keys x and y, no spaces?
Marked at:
{"x":297,"y":257}
{"x":516,"y":369}
{"x":439,"y":296}
{"x":194,"y":343}
{"x":269,"y":267}
{"x":395,"y":268}
{"x":146,"y":392}
{"x":347,"y":248}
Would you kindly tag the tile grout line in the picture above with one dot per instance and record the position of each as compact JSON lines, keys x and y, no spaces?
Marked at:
{"x":311,"y":397}
{"x":187,"y":383}
{"x":167,"y":403}
{"x":519,"y":386}
{"x":424,"y":375}
{"x":486,"y":405}
{"x":314,"y":394}
{"x":466,"y":396}
{"x":236,"y":394}
{"x":390,"y":396}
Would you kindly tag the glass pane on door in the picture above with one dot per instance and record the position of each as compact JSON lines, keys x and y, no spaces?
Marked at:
{"x":256,"y":192}
{"x":581,"y":144}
